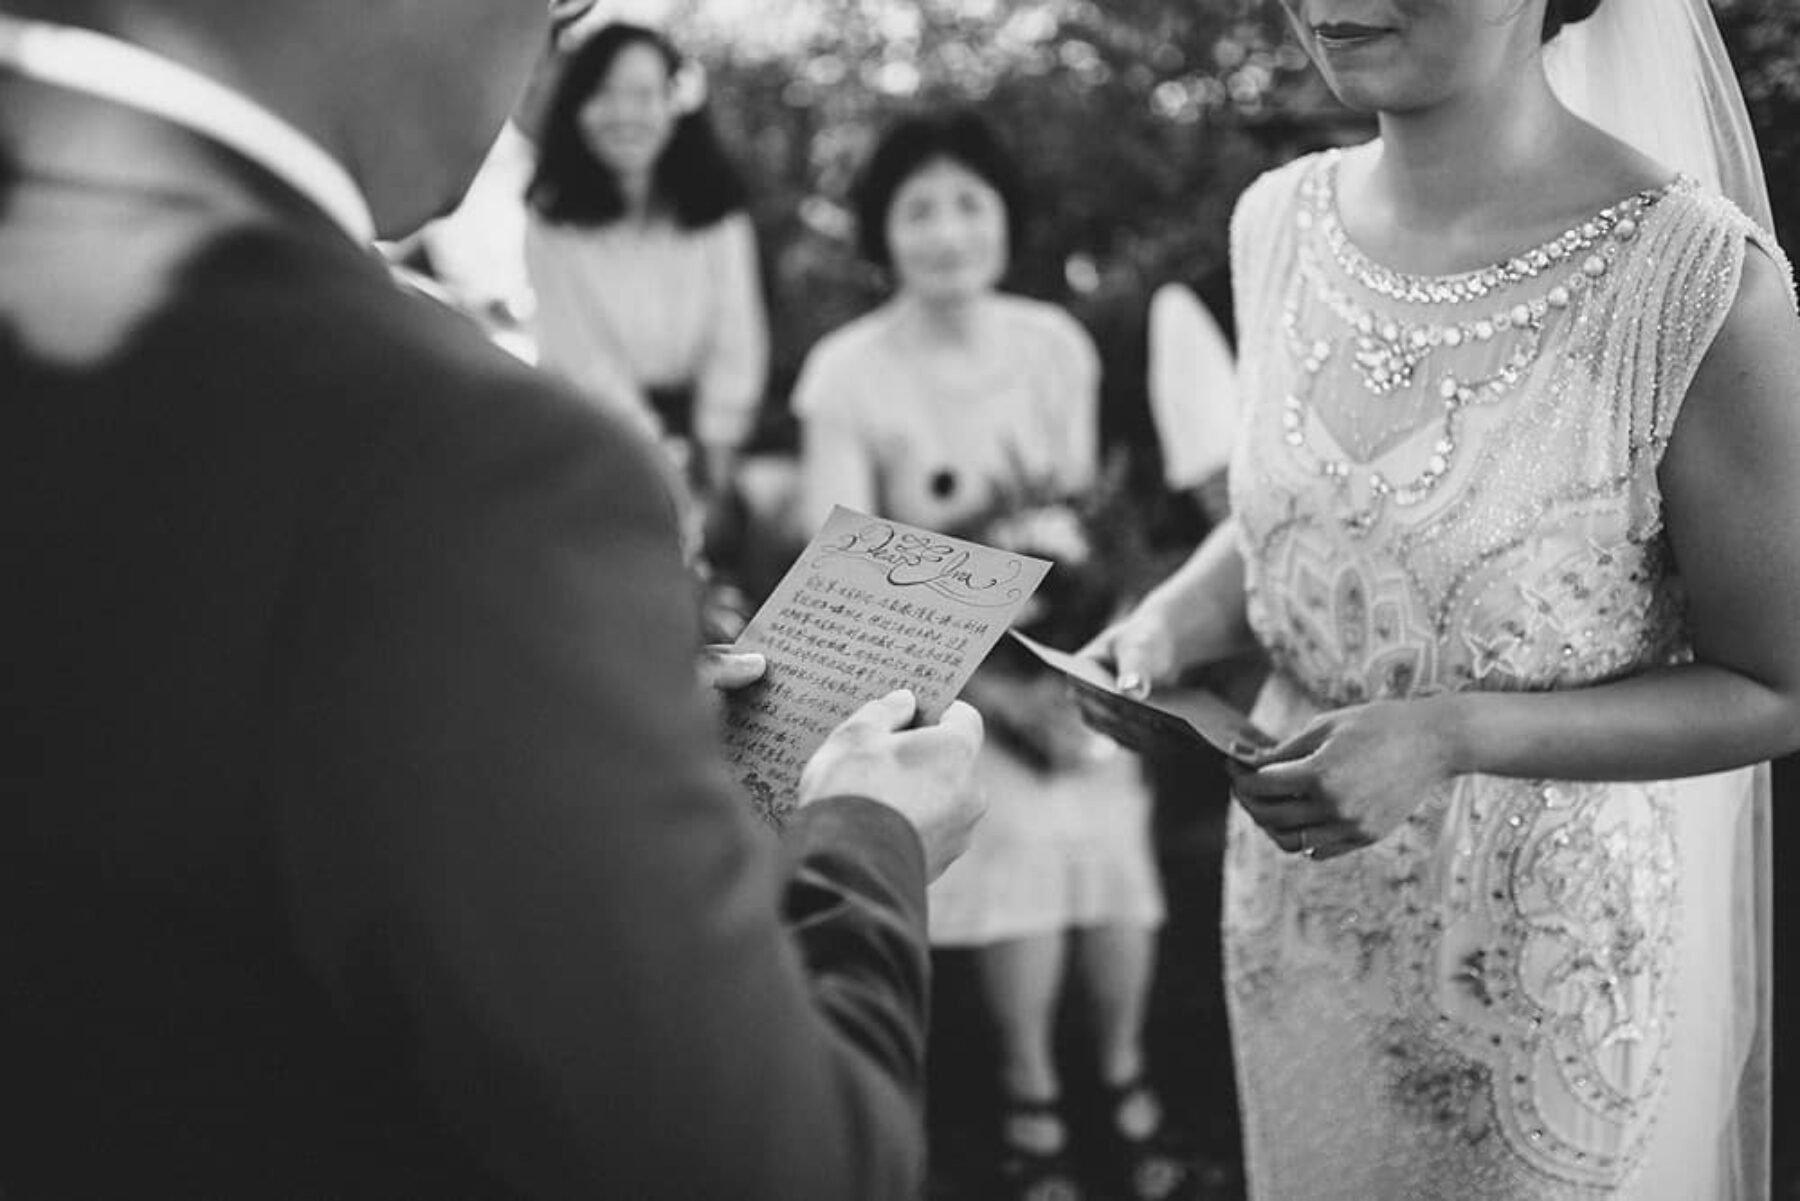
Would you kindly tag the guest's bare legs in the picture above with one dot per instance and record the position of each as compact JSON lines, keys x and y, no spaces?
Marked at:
{"x":1021,"y":980}
{"x":1115,"y":965}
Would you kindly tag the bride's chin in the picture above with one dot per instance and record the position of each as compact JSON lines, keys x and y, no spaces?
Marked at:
{"x":1370,"y":94}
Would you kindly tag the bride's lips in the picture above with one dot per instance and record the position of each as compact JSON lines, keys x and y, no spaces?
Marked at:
{"x":1345,"y":35}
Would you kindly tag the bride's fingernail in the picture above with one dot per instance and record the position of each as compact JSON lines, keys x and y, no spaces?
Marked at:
{"x":1132,"y":684}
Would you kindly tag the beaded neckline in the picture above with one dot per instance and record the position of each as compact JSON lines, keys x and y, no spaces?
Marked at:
{"x":1465,"y":286}
{"x":1386,"y":353}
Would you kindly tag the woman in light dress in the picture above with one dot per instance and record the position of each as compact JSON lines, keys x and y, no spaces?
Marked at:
{"x":641,"y":255}
{"x":1513,"y":518}
{"x":949,"y":405}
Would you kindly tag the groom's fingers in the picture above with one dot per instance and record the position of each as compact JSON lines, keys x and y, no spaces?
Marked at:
{"x":724,"y":669}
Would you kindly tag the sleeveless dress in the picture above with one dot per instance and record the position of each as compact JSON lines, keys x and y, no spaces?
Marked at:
{"x":1534,"y":988}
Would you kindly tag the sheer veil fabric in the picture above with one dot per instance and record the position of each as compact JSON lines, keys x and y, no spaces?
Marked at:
{"x":1655,"y":74}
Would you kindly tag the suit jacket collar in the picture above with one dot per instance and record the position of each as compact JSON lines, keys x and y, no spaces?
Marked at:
{"x":126,"y":77}
{"x":104,"y":209}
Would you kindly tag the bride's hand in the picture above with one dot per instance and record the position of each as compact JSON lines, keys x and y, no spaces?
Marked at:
{"x":1139,"y":649}
{"x":1350,"y":777}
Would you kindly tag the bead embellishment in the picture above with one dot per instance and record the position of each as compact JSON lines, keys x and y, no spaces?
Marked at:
{"x":1580,"y":898}
{"x":1388,"y":356}
{"x":1489,"y":1001}
{"x":1619,"y":221}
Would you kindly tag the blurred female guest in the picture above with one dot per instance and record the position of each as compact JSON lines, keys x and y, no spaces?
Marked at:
{"x":1513,"y":518}
{"x":954,"y":406}
{"x":641,"y":254}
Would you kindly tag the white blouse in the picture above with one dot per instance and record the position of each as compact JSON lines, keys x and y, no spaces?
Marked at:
{"x":884,"y":434}
{"x":624,"y":308}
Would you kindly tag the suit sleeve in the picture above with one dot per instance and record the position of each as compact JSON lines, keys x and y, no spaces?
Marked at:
{"x":517,"y":861}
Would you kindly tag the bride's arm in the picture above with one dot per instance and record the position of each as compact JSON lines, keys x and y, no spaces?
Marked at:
{"x":1196,"y":616}
{"x":1731,"y":488}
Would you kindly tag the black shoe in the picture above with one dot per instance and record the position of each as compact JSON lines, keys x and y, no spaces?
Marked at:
{"x":1024,"y":1174}
{"x":1151,"y":1167}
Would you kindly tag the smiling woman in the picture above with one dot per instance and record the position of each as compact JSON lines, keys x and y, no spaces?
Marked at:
{"x":649,"y":294}
{"x":1406,"y":55}
{"x":1519,"y":406}
{"x":955,"y":406}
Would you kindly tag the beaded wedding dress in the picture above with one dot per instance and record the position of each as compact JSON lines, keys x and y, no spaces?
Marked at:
{"x":1535,"y":988}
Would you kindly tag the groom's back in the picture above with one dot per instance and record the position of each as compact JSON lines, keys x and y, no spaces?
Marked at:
{"x":194,"y":402}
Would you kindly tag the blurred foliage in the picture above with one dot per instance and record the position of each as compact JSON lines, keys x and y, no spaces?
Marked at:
{"x":1764,"y":39}
{"x":1137,"y":123}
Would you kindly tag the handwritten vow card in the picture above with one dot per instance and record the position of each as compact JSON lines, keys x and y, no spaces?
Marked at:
{"x":869,"y":606}
{"x":1179,"y":721}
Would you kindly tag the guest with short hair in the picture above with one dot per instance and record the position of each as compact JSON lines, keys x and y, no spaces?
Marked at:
{"x":957,"y":406}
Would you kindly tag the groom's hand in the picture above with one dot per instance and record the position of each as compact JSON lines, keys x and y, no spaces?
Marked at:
{"x":723,"y":669}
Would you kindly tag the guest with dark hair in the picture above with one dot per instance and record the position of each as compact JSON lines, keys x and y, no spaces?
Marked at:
{"x":959,"y":407}
{"x":958,"y":136}
{"x":641,"y":253}
{"x":476,"y":252}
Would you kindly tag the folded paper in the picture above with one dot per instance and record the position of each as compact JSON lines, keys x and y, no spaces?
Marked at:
{"x":1178,"y":721}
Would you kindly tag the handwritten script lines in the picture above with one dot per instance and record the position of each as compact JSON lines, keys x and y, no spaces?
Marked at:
{"x":916,"y":560}
{"x":870,"y":606}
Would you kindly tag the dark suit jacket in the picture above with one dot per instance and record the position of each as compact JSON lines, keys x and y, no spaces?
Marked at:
{"x":364,"y":832}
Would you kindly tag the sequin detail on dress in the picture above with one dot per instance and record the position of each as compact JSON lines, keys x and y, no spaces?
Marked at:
{"x":1389,"y":354}
{"x":1447,"y":484}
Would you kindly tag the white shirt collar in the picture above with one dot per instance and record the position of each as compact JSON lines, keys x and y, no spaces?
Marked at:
{"x":105,"y":67}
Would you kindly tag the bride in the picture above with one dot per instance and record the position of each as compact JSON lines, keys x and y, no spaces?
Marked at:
{"x":1513,"y":520}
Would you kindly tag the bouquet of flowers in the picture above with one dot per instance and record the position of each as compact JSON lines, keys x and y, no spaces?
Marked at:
{"x":1100,"y":546}
{"x":1099,"y":541}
